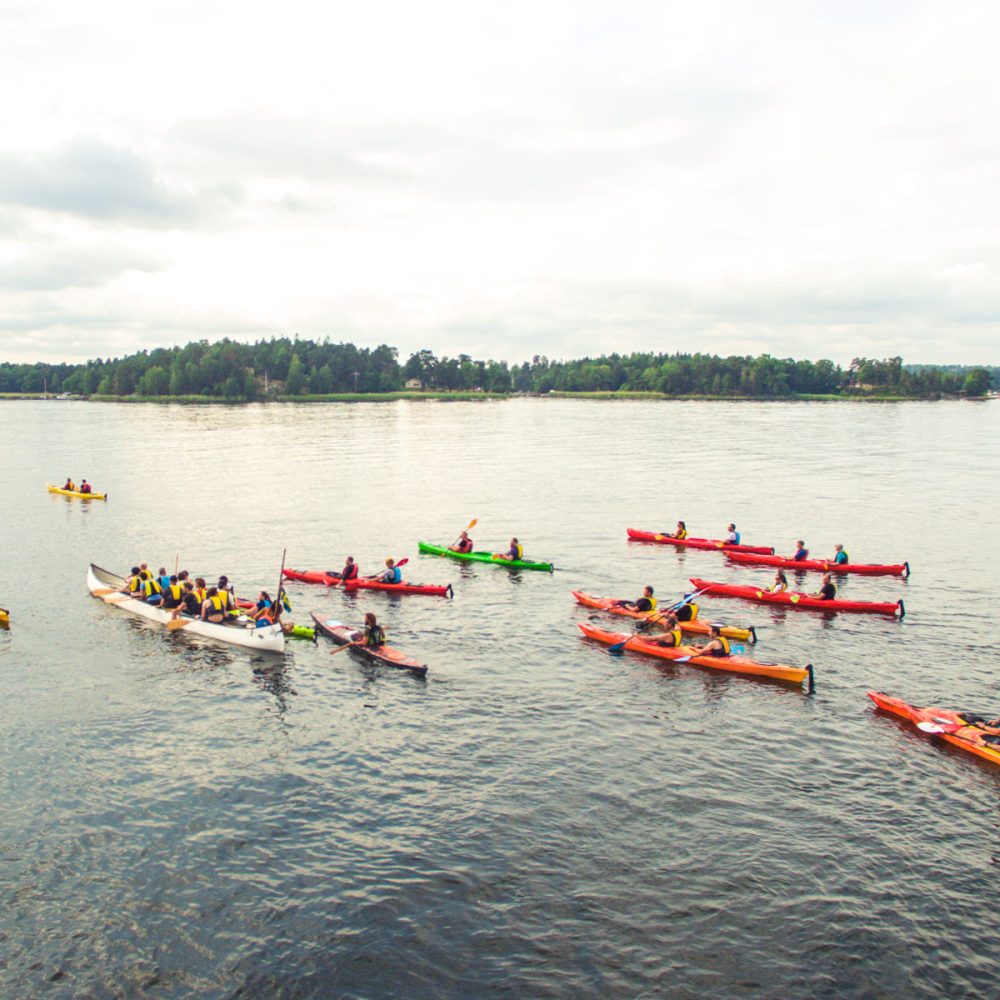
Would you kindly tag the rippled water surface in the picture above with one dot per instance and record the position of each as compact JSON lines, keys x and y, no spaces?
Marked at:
{"x":537,"y":818}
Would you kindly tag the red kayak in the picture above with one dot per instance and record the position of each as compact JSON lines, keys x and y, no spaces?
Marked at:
{"x":309,"y":576}
{"x":794,"y":600}
{"x":820,"y":565}
{"x":961,"y":729}
{"x":696,"y":543}
{"x":399,"y":588}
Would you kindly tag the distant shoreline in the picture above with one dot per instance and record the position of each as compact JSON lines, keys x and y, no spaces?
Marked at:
{"x":462,"y":397}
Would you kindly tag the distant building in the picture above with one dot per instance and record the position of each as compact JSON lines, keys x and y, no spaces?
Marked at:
{"x":414,"y":383}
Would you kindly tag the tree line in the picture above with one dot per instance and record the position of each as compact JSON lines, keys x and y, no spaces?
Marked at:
{"x":281,"y":367}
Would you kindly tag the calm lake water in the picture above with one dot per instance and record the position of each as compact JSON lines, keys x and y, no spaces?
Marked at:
{"x":537,"y":818}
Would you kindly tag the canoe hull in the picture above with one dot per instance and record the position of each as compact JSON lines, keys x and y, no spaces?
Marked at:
{"x":484,"y":557}
{"x":697,"y":626}
{"x":805,"y":602}
{"x":969,"y":738}
{"x":730,"y":664}
{"x":717,"y":544}
{"x":819,"y":565}
{"x":259,"y":640}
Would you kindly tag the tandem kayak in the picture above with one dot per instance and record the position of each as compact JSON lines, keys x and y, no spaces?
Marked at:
{"x":733,"y":663}
{"x":104,"y":584}
{"x":697,"y":626}
{"x":961,"y":729}
{"x":359,"y":583}
{"x":486,"y":557}
{"x":820,"y":565}
{"x":75,"y":493}
{"x":384,"y":656}
{"x":697,"y":543}
{"x":795,"y":600}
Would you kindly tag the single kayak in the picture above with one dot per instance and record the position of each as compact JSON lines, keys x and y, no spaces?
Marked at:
{"x":486,"y":557}
{"x":820,"y":565}
{"x":384,"y":656}
{"x":359,"y":583}
{"x":698,"y":626}
{"x":961,"y":729}
{"x":104,"y":584}
{"x":75,"y":493}
{"x":696,"y":543}
{"x":733,"y":663}
{"x":796,"y":600}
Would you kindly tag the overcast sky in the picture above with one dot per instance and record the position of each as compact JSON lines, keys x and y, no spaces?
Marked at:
{"x":807,"y":179}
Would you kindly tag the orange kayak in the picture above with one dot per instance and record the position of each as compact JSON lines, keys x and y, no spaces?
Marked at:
{"x":697,"y":626}
{"x":689,"y":654}
{"x":957,"y":728}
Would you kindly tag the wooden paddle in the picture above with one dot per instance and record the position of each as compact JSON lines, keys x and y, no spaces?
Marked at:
{"x":175,"y":623}
{"x":340,"y":649}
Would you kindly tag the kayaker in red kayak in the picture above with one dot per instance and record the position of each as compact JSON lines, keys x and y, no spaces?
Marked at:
{"x":515,"y":552}
{"x":681,"y":531}
{"x":828,"y":589}
{"x":391,"y":574}
{"x":840,"y":557}
{"x":732,"y":535}
{"x":645,"y":603}
{"x":780,"y":584}
{"x":349,"y":572}
{"x":464,"y":543}
{"x":801,"y":552}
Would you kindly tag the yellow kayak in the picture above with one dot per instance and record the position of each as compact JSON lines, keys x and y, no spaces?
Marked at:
{"x":75,"y":493}
{"x":4,"y":616}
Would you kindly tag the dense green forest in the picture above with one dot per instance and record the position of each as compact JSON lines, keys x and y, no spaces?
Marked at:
{"x":281,"y":368}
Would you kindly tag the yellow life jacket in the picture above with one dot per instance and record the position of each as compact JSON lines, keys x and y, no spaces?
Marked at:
{"x":152,"y":586}
{"x":725,"y":645}
{"x":676,"y":633}
{"x":201,"y":593}
{"x":135,"y":584}
{"x":520,"y":550}
{"x":652,"y":603}
{"x":176,"y":591}
{"x":682,"y":533}
{"x":218,"y":603}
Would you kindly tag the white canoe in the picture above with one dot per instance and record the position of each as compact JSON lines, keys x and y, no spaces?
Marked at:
{"x":262,"y":640}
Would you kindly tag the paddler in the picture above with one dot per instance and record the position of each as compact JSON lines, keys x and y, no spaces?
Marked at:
{"x":514,"y":553}
{"x":214,"y":607}
{"x":672,"y":636}
{"x":680,"y":532}
{"x":133,"y":581}
{"x":349,"y":572}
{"x":464,"y":543}
{"x":732,"y":535}
{"x":391,"y":574}
{"x":69,"y":485}
{"x":717,"y":645}
{"x":780,"y":584}
{"x":840,"y":556}
{"x":85,"y":487}
{"x":173,"y":594}
{"x":828,"y":589}
{"x":374,"y":633}
{"x":264,"y":604}
{"x":801,"y":552}
{"x":645,"y":603}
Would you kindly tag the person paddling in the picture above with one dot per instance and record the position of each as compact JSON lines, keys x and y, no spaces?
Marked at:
{"x":391,"y":574}
{"x":840,"y":556}
{"x":680,"y":531}
{"x":645,"y":603}
{"x":513,"y":554}
{"x":801,"y":552}
{"x":717,"y":645}
{"x":69,"y":484}
{"x":780,"y":584}
{"x":374,"y":633}
{"x":85,"y":487}
{"x":828,"y":589}
{"x":671,"y":637}
{"x":214,"y":607}
{"x":732,"y":535}
{"x":464,"y":544}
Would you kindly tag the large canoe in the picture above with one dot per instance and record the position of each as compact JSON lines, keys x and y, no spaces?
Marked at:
{"x":956,"y":728}
{"x":486,"y":557}
{"x":384,"y":656}
{"x":697,"y":626}
{"x":820,"y":565}
{"x":696,"y":543}
{"x":261,"y":640}
{"x":792,"y":599}
{"x":733,"y":663}
{"x":75,"y":493}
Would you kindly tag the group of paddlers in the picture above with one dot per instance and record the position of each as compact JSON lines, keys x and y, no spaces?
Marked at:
{"x":181,"y":594}
{"x":69,"y":485}
{"x":670,"y":620}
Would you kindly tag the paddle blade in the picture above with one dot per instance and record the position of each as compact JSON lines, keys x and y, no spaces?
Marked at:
{"x":102,"y":591}
{"x":403,"y":562}
{"x":682,"y":659}
{"x":176,"y":623}
{"x":938,"y":727}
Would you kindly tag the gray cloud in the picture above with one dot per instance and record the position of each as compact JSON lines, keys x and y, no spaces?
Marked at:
{"x":70,"y":265}
{"x":111,"y":184}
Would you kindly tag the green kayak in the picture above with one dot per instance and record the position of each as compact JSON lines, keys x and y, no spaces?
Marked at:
{"x":487,"y":557}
